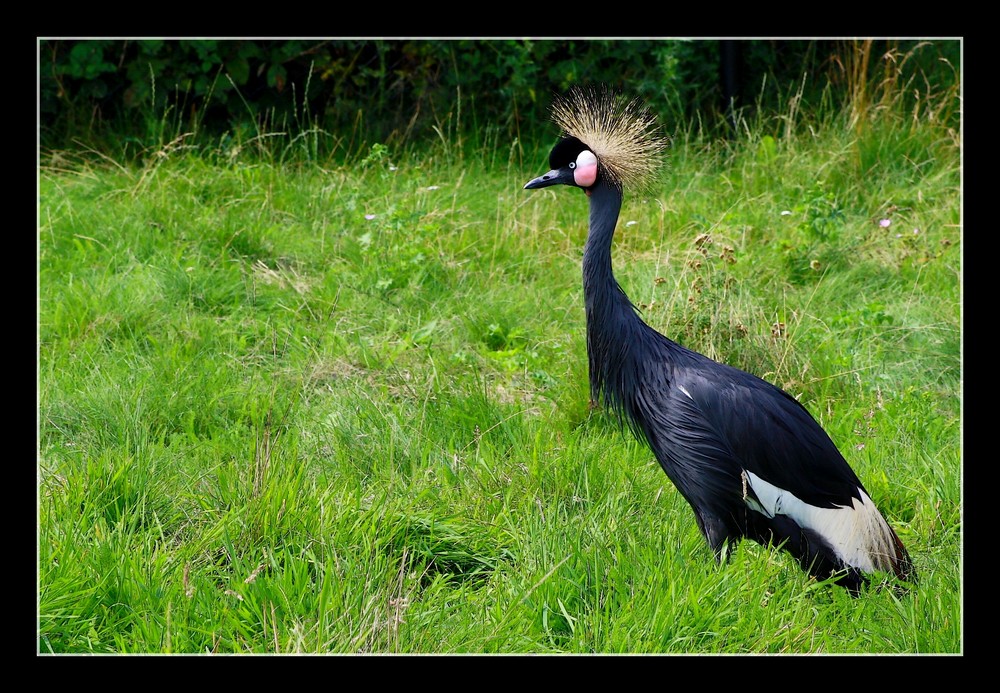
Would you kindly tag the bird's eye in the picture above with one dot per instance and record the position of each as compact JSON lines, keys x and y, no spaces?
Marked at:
{"x":572,"y":164}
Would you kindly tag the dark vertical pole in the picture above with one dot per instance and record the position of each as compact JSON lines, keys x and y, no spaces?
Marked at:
{"x":731,"y":79}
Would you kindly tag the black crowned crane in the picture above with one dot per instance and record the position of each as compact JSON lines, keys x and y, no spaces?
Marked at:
{"x":750,"y":459}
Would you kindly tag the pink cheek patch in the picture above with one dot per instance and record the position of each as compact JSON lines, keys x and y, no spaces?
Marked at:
{"x":585,"y":173}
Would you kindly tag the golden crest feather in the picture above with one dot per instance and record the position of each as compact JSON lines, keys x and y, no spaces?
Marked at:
{"x":622,"y":133}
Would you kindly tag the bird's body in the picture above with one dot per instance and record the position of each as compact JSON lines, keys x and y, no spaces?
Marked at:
{"x":749,"y":458}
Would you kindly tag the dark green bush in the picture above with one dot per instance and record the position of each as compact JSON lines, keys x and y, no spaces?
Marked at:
{"x":151,"y":91}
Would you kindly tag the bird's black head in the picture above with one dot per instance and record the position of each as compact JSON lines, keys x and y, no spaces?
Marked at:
{"x":572,"y":163}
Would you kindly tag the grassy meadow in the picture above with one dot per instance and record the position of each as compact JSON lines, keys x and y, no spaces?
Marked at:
{"x":295,"y":404}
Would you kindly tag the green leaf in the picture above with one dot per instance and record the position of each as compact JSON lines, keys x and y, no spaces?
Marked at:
{"x":276,"y":77}
{"x":238,"y":69}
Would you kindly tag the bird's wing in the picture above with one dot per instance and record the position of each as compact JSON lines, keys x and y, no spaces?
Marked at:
{"x":746,"y":421}
{"x":731,"y":442}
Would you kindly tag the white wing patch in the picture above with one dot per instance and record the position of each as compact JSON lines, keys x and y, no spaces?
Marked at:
{"x":858,"y":533}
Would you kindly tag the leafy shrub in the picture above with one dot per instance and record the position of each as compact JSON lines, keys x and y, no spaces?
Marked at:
{"x":154,"y":90}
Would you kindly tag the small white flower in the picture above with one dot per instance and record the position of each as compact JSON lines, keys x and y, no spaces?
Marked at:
{"x":785,"y":212}
{"x":433,"y":187}
{"x":369,"y":217}
{"x":631,"y":223}
{"x":393,"y":168}
{"x":884,"y":223}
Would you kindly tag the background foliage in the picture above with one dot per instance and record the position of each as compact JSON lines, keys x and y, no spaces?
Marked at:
{"x":125,"y":92}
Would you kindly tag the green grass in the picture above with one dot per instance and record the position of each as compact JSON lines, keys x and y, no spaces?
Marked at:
{"x":288,"y":405}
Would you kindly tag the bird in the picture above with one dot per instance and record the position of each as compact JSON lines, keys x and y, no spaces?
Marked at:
{"x":749,"y":458}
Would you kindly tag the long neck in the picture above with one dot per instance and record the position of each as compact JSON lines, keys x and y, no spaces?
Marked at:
{"x":612,"y":322}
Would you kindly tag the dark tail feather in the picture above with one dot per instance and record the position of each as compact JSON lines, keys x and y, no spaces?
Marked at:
{"x":818,"y":558}
{"x":902,"y":566}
